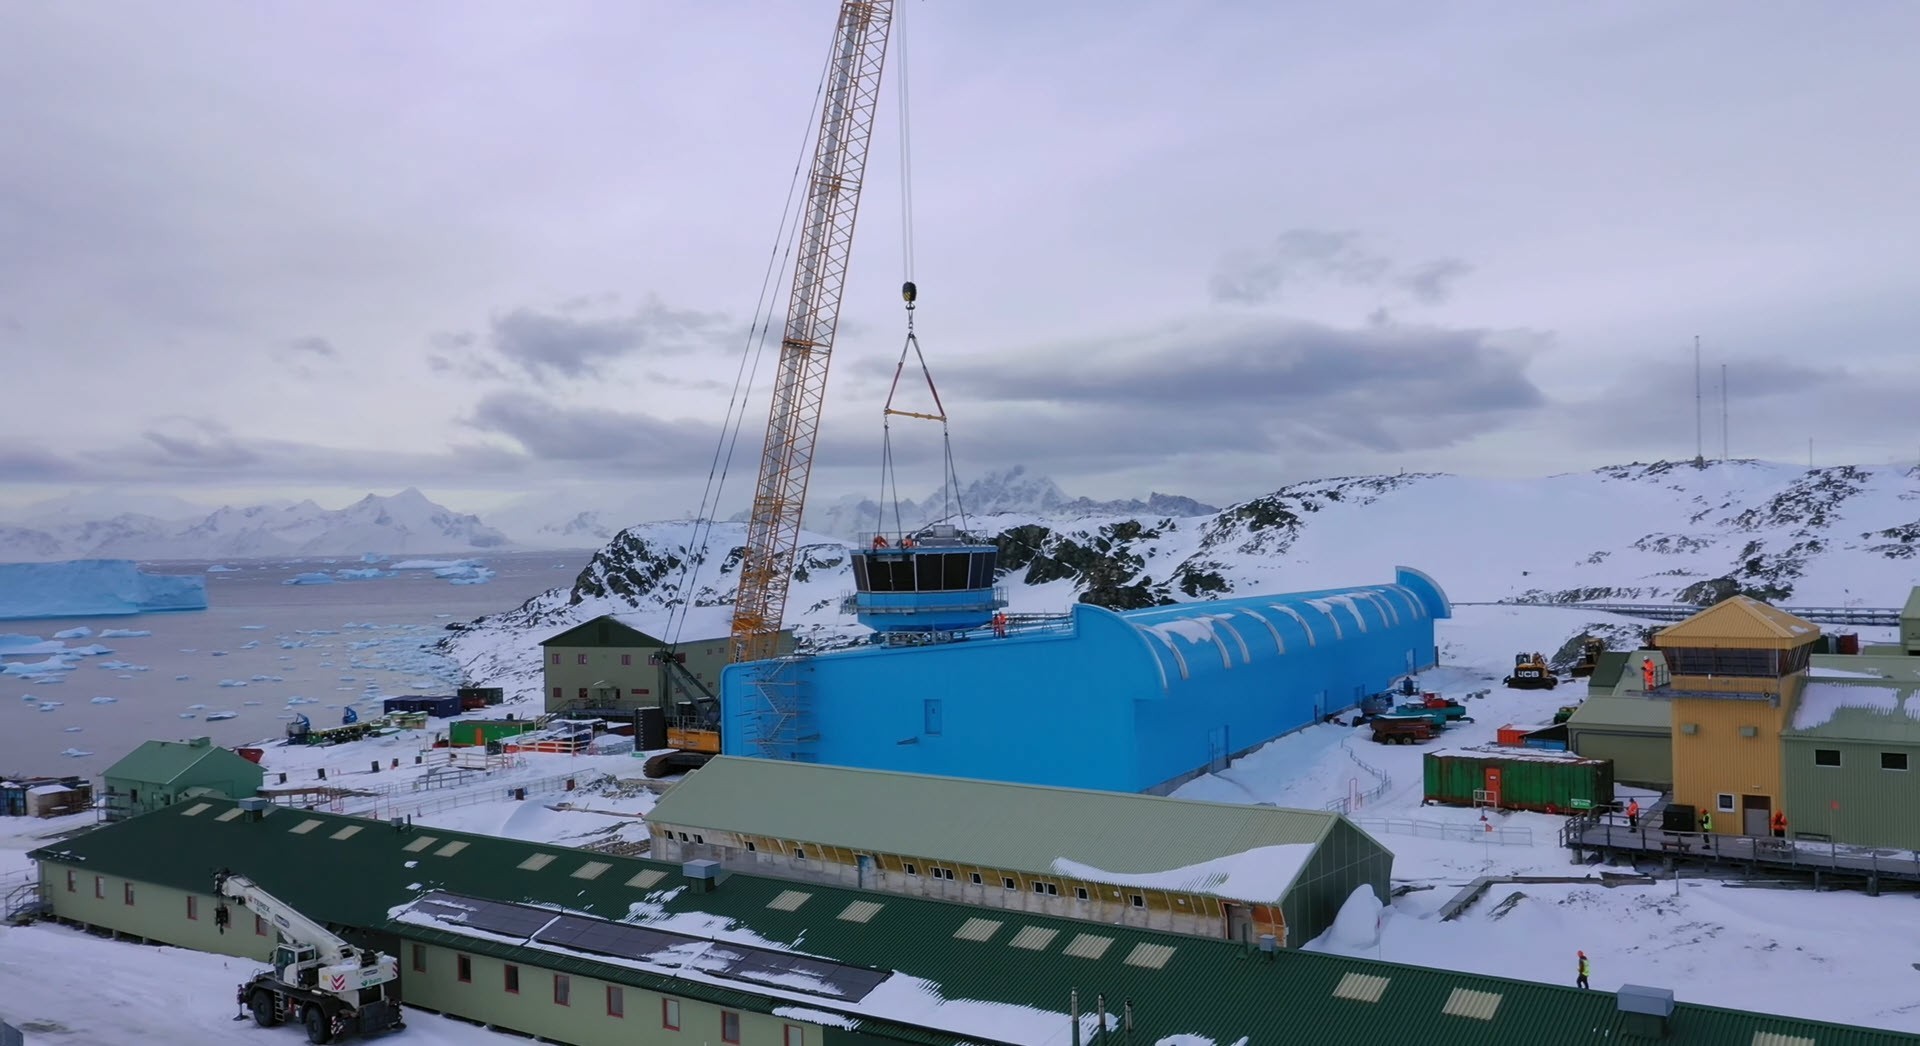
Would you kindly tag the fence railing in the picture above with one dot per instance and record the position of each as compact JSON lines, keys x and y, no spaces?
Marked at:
{"x":1479,"y":832}
{"x":421,"y":804}
{"x":1357,"y":797}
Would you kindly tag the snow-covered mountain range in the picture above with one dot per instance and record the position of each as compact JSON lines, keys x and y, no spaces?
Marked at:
{"x":855,"y":517}
{"x":406,"y":523}
{"x":1662,"y":532}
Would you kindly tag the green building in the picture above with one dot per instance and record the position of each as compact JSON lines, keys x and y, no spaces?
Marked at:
{"x":1230,"y":870}
{"x":1618,"y":721}
{"x":608,"y":662}
{"x":161,"y":773}
{"x":592,"y":949}
{"x":1910,"y":624}
{"x":1851,"y":753}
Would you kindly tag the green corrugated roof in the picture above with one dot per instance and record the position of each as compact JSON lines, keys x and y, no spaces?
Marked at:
{"x":1639,"y":713}
{"x":992,"y":824}
{"x":603,"y":631}
{"x":1206,"y":987}
{"x":1885,"y":711}
{"x":160,"y":762}
{"x":1606,"y":671}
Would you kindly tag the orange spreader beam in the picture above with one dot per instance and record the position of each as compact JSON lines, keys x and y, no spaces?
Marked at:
{"x":813,"y":313}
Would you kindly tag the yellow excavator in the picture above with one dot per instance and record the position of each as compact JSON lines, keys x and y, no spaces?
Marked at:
{"x":1531,"y":672}
{"x":1590,"y":651}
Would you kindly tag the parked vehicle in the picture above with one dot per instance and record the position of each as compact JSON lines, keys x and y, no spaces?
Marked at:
{"x":1531,"y":672}
{"x":1403,"y":730}
{"x":1439,"y":710}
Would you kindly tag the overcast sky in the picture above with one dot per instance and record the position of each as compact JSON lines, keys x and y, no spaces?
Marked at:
{"x":255,"y":250}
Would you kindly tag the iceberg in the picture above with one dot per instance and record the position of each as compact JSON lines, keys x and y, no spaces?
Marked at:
{"x":316,"y":578}
{"x":124,"y":633}
{"x":81,"y":632}
{"x":93,"y":588}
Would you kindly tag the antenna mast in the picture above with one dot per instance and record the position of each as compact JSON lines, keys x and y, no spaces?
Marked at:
{"x":1699,"y":448}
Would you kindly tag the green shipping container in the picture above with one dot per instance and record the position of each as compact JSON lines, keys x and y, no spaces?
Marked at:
{"x":475,"y":733}
{"x":1520,"y":780}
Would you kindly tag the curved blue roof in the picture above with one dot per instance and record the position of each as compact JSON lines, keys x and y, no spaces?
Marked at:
{"x":1191,"y":640}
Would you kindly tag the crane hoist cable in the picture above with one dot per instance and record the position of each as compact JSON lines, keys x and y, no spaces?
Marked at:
{"x":779,"y":259}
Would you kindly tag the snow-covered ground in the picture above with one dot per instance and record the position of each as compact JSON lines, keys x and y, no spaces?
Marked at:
{"x":1821,"y":955}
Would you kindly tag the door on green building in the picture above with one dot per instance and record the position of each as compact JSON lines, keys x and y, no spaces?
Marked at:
{"x":1756,"y":815}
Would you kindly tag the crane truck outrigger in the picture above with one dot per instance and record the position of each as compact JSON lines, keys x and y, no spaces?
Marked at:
{"x":317,"y":979}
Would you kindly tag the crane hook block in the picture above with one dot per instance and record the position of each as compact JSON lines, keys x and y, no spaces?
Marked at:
{"x":909,"y":292}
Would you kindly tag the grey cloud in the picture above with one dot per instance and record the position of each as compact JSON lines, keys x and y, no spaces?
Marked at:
{"x":1265,"y":387}
{"x":1253,"y":277}
{"x":565,"y":344}
{"x":1302,"y":256}
{"x":1432,"y":283}
{"x":313,"y":345}
{"x":552,"y":432}
{"x":196,"y":443}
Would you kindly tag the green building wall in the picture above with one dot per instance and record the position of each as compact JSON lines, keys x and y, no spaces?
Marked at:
{"x":1875,"y":806}
{"x":584,"y":1021}
{"x":157,"y":913}
{"x":1346,"y":859}
{"x":588,"y":663}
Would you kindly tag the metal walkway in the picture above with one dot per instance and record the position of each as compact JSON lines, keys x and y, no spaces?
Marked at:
{"x":1870,"y":616}
{"x":1821,"y":861}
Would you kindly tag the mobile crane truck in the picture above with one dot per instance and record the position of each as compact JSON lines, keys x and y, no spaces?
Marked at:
{"x":317,"y":979}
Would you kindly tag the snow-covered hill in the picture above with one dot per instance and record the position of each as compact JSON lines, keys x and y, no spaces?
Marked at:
{"x":1661,"y":532}
{"x":406,"y":523}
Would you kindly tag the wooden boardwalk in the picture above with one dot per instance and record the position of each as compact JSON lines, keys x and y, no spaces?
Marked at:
{"x":1609,"y":837}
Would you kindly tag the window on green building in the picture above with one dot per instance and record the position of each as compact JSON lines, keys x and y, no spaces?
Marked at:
{"x":1893,"y":760}
{"x":1826,"y":757}
{"x":729,"y":1026}
{"x":511,"y":976}
{"x":562,"y":990}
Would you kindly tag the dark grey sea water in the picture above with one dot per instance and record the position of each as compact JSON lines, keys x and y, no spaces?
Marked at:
{"x":263,"y":650}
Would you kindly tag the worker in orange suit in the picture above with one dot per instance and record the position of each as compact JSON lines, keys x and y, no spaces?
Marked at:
{"x":1000,"y":625}
{"x":1779,"y":824}
{"x":879,"y":541}
{"x":1633,"y":814}
{"x":1646,"y":671}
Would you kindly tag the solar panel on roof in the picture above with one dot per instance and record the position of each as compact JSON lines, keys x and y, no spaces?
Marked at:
{"x":508,"y":920}
{"x":742,"y":962}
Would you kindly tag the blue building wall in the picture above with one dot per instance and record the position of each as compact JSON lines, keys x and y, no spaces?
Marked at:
{"x":1133,"y":701}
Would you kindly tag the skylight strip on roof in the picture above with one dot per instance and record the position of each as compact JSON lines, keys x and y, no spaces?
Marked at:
{"x":1465,"y":1002}
{"x":451,"y":848}
{"x":1033,"y":938}
{"x":591,"y":870}
{"x":537,"y":862}
{"x":1360,"y":987}
{"x":306,"y":826}
{"x":1149,"y":956}
{"x":645,"y":879}
{"x":196,"y":809}
{"x":229,"y":815}
{"x":346,"y":833}
{"x":421,"y":843}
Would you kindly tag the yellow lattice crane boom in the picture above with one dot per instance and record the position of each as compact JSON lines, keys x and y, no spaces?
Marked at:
{"x":852,"y":93}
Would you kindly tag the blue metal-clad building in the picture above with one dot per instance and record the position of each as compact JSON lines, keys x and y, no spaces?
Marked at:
{"x":1133,"y":701}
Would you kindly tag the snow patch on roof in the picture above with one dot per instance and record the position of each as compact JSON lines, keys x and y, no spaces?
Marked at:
{"x":1824,"y":672}
{"x":1819,"y":702}
{"x":1263,"y":872}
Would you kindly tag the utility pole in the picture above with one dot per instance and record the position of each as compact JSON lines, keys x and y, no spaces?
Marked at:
{"x":1723,"y":411}
{"x":1699,"y":448}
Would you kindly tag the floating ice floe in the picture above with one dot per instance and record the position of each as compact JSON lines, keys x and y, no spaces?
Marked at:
{"x":124,"y":633}
{"x":250,"y":702}
{"x":195,"y":708}
{"x":48,"y":706}
{"x":214,"y":717}
{"x":75,"y":729}
{"x":186,"y":715}
{"x":91,"y":650}
{"x":315,"y":578}
{"x":181,"y":679}
{"x":75,"y":753}
{"x":251,"y":628}
{"x":105,"y":700}
{"x":216,"y":653}
{"x":268,"y":679}
{"x":221,"y":568}
{"x":233,"y":682}
{"x":250,"y":644}
{"x":81,"y":632}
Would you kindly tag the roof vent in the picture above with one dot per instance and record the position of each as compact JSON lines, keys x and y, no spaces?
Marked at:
{"x":254,"y":807}
{"x":703,"y":875}
{"x":1644,"y":1011}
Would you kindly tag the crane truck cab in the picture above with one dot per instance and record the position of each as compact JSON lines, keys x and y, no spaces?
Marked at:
{"x":315,"y":979}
